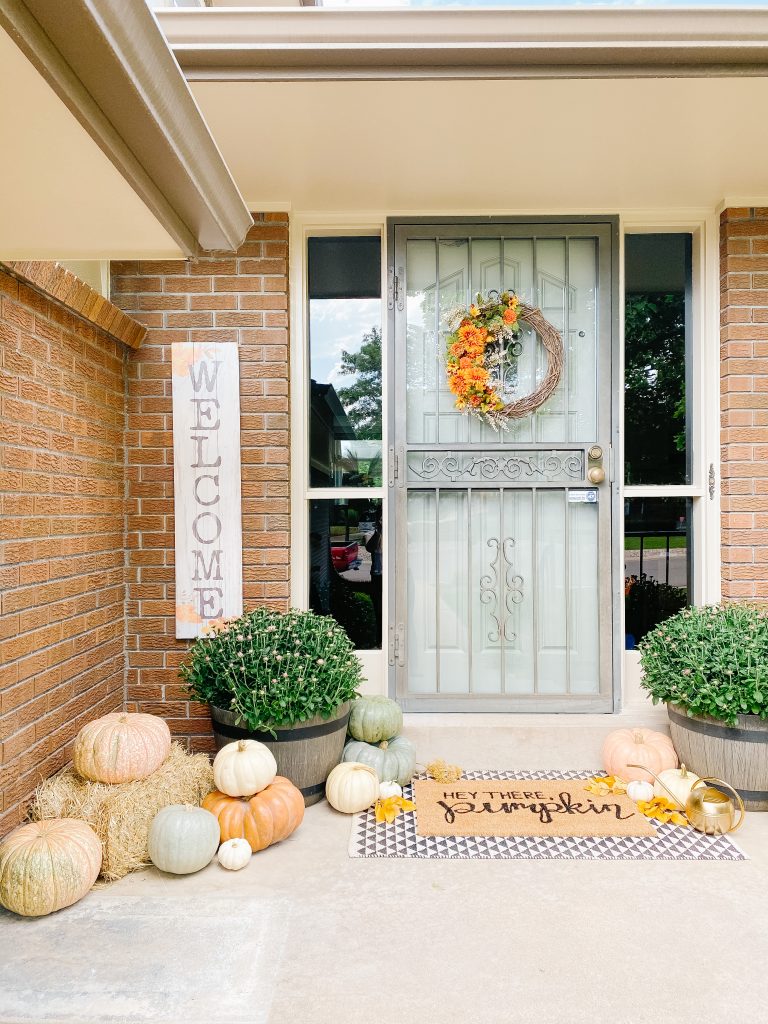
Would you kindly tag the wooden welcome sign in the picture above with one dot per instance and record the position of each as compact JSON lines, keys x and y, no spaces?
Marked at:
{"x":206,"y":478}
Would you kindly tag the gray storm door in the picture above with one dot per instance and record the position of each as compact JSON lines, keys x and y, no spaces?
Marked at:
{"x":501,"y":566}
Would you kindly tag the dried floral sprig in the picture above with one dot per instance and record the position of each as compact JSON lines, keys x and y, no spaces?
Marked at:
{"x":442,"y":772}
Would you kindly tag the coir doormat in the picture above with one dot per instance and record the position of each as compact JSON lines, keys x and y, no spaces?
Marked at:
{"x":403,"y":837}
{"x":516,"y":807}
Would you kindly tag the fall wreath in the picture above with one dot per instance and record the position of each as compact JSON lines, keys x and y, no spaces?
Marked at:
{"x":481,"y":339}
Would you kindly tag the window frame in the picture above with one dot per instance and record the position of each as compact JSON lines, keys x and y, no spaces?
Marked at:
{"x":302,"y":493}
{"x":702,"y":397}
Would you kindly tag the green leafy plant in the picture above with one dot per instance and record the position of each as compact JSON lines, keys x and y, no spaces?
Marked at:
{"x":274,"y":668}
{"x":710,"y":661}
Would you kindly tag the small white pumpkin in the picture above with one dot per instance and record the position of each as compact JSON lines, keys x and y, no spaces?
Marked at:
{"x":679,"y":782}
{"x":244,"y":768}
{"x":639,"y":790}
{"x":352,"y":787}
{"x":387,"y":789}
{"x":234,"y":854}
{"x":183,"y":839}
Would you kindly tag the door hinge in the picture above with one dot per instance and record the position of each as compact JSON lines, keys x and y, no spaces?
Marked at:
{"x":396,"y":466}
{"x":397,"y":644}
{"x":395,"y":289}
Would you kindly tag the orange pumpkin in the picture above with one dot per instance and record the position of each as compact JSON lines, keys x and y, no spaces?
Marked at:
{"x":263,"y":819}
{"x":645,"y":747}
{"x":121,"y":747}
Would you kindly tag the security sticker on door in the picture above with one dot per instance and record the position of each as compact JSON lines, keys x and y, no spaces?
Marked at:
{"x":588,"y":495}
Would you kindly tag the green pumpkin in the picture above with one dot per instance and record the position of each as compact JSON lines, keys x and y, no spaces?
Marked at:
{"x":374,"y":719}
{"x":393,"y":760}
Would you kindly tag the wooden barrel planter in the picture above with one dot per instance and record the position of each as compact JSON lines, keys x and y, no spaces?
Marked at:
{"x":305,"y":752}
{"x":737,"y":754}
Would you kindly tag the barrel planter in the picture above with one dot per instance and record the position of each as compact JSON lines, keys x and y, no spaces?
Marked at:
{"x":305,"y":752}
{"x":737,"y":754}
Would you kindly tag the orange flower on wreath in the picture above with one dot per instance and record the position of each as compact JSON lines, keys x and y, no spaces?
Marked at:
{"x":472,"y":335}
{"x":510,"y":315}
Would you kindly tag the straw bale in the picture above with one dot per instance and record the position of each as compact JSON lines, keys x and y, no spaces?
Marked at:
{"x":122,"y":814}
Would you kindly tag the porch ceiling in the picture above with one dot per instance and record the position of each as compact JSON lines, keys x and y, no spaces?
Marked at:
{"x":61,"y":197}
{"x":492,"y":146}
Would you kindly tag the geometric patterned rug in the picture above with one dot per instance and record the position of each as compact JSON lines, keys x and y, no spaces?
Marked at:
{"x":399,"y":839}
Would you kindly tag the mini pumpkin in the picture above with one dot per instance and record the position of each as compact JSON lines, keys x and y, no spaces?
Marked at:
{"x":639,"y":790}
{"x":387,"y":789}
{"x":121,"y":747}
{"x":48,"y":865}
{"x":643,"y":747}
{"x":393,"y":760}
{"x":244,"y":768}
{"x":373,"y":719}
{"x":183,"y":839}
{"x":234,"y":854}
{"x":352,"y":787}
{"x":264,"y":819}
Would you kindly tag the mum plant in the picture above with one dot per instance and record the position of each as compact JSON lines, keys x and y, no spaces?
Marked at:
{"x":273,"y":668}
{"x":710,"y":661}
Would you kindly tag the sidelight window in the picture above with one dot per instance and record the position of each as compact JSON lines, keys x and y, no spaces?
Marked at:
{"x":658,"y":402}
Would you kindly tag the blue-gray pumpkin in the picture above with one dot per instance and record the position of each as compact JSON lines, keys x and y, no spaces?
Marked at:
{"x":393,"y":760}
{"x":373,"y":719}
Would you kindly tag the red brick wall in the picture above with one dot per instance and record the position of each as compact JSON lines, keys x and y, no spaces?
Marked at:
{"x":243,"y":299}
{"x":62,"y":409}
{"x":744,"y":401}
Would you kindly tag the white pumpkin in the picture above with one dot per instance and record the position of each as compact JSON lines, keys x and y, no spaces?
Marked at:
{"x":639,"y":790}
{"x":244,"y":768}
{"x":183,"y":838}
{"x":352,"y":787}
{"x":234,"y":854}
{"x":679,"y":782}
{"x":387,"y":789}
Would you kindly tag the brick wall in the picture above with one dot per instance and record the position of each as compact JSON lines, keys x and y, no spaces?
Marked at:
{"x":744,"y":401}
{"x":62,"y":409}
{"x":240,"y":298}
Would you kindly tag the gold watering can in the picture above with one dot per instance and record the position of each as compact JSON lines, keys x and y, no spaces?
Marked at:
{"x":706,"y":808}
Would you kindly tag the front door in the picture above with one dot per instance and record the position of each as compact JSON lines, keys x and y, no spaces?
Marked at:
{"x":501,"y":595}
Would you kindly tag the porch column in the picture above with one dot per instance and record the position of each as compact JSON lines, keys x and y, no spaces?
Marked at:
{"x":744,"y":401}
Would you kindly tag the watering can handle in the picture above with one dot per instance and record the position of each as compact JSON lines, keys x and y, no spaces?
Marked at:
{"x":669,"y":792}
{"x":735,"y":792}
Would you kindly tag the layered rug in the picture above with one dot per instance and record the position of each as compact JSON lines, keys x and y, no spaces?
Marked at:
{"x":505,"y":816}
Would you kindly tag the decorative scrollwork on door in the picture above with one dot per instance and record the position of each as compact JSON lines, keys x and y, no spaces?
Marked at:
{"x":501,"y":589}
{"x":489,"y":590}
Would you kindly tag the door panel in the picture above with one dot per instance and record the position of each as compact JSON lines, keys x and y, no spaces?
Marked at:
{"x":502,"y":562}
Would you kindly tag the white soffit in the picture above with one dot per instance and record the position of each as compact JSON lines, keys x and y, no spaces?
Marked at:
{"x":60,"y":196}
{"x":492,"y":146}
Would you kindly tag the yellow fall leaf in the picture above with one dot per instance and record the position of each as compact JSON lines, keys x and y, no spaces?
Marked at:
{"x":388,"y":809}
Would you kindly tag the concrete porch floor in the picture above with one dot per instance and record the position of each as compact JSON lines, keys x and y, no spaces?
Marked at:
{"x":308,"y":936}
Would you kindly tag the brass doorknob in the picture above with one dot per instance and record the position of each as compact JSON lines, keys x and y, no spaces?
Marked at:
{"x":596,"y":475}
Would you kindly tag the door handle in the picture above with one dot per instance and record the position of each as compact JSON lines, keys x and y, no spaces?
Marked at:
{"x":595,"y":470}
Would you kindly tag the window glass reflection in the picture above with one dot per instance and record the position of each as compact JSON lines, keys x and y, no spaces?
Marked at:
{"x":345,"y":362}
{"x":656,"y":332}
{"x":346,"y":553}
{"x":657,"y":563}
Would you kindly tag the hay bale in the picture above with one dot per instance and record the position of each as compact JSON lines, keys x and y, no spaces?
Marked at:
{"x":121,"y":814}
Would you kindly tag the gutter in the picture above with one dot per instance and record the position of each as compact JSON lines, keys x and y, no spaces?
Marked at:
{"x":109,"y":63}
{"x":306,"y":43}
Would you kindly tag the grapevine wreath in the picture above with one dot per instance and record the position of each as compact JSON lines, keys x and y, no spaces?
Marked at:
{"x":480,"y":337}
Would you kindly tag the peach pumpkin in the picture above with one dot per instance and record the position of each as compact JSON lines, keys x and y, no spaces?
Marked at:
{"x":263,"y":819}
{"x":121,"y":747}
{"x":643,"y":747}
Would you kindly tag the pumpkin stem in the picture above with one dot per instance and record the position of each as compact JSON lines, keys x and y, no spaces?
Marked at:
{"x":241,"y":745}
{"x":638,"y":737}
{"x":383,"y":745}
{"x":683,"y":772}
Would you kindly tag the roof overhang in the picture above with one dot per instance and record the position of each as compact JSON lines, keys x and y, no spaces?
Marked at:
{"x":109,"y":63}
{"x":284,"y":44}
